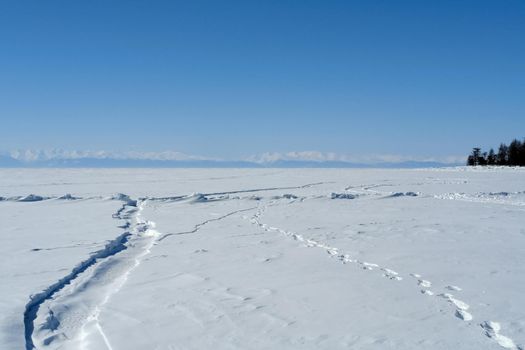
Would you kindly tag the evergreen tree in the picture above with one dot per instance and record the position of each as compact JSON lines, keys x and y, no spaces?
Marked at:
{"x":521,"y":156}
{"x":482,"y":160}
{"x":475,"y":156}
{"x":514,"y":152}
{"x":491,"y":158}
{"x":502,"y":154}
{"x":511,"y":155}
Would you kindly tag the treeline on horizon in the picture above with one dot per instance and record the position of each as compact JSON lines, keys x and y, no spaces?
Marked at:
{"x":511,"y":155}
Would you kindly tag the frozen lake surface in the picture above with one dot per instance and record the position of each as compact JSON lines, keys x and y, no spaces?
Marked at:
{"x":262,"y":259}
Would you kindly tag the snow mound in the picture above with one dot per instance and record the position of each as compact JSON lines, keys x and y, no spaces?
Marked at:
{"x":68,"y":196}
{"x":511,"y":198}
{"x":196,"y":198}
{"x":343,"y":196}
{"x":403,"y":194}
{"x":31,"y":198}
{"x":286,"y":196}
{"x":124,"y":198}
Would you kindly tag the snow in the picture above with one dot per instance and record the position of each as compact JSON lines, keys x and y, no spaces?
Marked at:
{"x":262,"y":259}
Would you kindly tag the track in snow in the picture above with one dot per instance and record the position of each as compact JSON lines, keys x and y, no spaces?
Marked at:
{"x":492,"y":329}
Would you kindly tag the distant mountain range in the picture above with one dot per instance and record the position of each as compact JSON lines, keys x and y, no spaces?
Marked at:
{"x":90,"y":162}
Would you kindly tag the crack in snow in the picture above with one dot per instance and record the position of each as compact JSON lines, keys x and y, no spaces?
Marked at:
{"x":36,"y":300}
{"x":69,"y":300}
{"x":198,"y":226}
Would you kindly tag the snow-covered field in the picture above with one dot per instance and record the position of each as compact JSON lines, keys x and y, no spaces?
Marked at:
{"x":262,"y":259}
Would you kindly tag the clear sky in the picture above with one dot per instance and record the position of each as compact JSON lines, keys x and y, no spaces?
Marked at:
{"x":235,"y":78}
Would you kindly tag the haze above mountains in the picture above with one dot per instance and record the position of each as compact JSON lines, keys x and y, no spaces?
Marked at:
{"x":171,"y":159}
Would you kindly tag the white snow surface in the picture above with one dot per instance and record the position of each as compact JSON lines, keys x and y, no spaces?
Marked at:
{"x":262,"y":259}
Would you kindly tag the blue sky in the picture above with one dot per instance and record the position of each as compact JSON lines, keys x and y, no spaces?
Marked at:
{"x":234,"y":78}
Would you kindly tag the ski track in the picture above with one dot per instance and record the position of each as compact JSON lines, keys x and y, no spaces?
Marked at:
{"x":491,"y":328}
{"x":45,"y":329}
